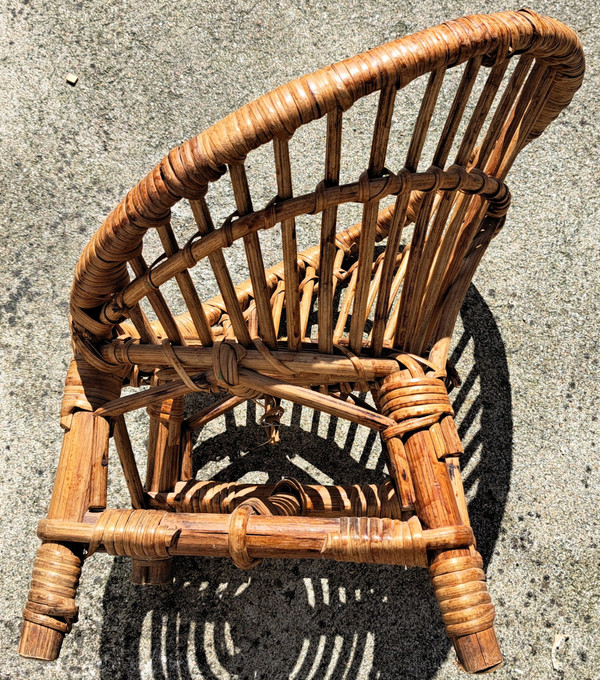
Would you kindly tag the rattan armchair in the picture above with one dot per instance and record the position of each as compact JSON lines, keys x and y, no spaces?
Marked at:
{"x":383,"y":326}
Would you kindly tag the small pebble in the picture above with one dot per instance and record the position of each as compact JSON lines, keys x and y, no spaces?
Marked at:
{"x":72,"y":79}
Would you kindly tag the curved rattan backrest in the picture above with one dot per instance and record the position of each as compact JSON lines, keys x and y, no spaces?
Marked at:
{"x":412,"y":293}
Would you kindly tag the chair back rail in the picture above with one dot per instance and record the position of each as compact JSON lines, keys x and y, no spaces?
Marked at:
{"x":405,"y":299}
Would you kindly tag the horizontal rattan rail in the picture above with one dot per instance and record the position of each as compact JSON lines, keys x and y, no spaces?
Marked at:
{"x":381,"y":540}
{"x":310,"y":500}
{"x":454,"y":179}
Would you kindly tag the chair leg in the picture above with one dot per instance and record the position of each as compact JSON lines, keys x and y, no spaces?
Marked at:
{"x":164,"y":445}
{"x":165,"y":450}
{"x":51,"y":610}
{"x":457,"y":575}
{"x":150,"y":572}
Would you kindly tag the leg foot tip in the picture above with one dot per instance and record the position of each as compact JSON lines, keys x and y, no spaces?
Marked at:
{"x":39,"y":642}
{"x":479,"y":653}
{"x":151,"y":572}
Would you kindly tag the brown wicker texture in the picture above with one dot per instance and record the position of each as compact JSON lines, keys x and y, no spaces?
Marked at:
{"x":384,"y":327}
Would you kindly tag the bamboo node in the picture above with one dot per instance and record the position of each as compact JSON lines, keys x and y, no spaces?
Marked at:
{"x":226,"y":356}
{"x":237,"y":536}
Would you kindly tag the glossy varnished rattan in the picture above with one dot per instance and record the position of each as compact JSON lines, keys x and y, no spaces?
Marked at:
{"x":389,"y":335}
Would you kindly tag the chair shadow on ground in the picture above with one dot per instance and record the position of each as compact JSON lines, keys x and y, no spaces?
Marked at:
{"x":306,"y":619}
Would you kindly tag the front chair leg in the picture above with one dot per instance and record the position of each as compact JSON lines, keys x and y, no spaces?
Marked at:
{"x":426,"y":430}
{"x":51,"y":610}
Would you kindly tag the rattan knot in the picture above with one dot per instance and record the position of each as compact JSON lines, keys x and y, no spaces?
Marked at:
{"x":377,"y":540}
{"x":87,"y":349}
{"x":438,"y":175}
{"x":462,"y":176}
{"x":227,"y":228}
{"x":500,"y":203}
{"x":459,"y":585}
{"x":266,"y":353}
{"x":137,"y":533}
{"x":391,"y":181}
{"x":289,"y":498}
{"x":403,"y":180}
{"x":226,"y":356}
{"x":364,"y":187}
{"x":362,"y":382}
{"x":372,"y":500}
{"x":118,"y":352}
{"x":187,"y":251}
{"x":320,"y":194}
{"x":208,"y":496}
{"x":476,"y":172}
{"x":147,"y":278}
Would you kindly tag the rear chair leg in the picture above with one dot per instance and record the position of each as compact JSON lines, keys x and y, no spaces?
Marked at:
{"x":165,"y":450}
{"x":457,"y":575}
{"x":51,"y":610}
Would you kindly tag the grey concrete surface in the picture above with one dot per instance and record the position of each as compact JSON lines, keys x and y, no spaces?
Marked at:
{"x":152,"y":74}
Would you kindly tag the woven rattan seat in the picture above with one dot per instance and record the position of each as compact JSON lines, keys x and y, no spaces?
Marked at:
{"x":369,"y":308}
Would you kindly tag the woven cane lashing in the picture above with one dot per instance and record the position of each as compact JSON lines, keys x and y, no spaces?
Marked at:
{"x":360,"y":500}
{"x":381,"y":541}
{"x":459,"y":586}
{"x":137,"y":533}
{"x":249,"y":532}
{"x":51,"y":600}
